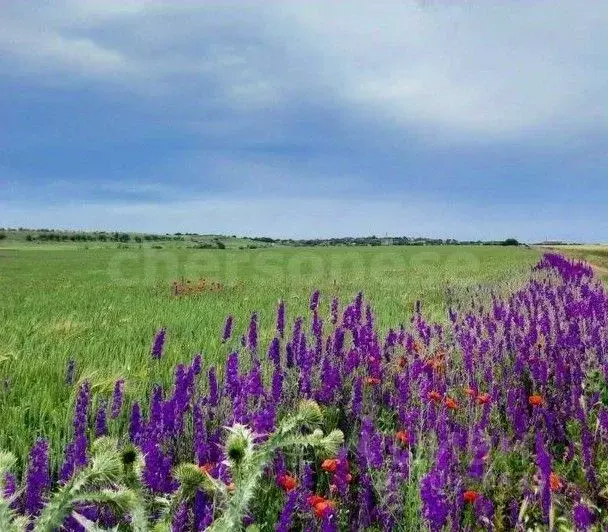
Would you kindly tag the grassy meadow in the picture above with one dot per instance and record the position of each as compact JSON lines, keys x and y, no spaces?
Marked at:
{"x":101,"y":306}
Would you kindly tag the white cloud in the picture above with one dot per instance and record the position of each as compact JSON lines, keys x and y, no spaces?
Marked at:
{"x":491,"y":70}
{"x":495,"y":69}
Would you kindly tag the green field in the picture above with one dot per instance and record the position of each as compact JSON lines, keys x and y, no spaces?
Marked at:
{"x":102,"y":306}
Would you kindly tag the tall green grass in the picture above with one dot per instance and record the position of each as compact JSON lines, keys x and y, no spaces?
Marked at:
{"x":101,"y":306}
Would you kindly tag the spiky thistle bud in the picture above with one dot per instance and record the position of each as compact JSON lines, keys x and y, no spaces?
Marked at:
{"x":239,"y":445}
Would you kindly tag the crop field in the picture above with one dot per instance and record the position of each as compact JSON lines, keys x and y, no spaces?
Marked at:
{"x":102,"y":307}
{"x":379,"y":388}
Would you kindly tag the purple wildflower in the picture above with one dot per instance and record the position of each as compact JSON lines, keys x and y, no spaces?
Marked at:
{"x":583,"y":517}
{"x":484,"y":511}
{"x":159,"y":343}
{"x":101,"y":420}
{"x":314,"y":301}
{"x":277,"y":385}
{"x":274,"y":352}
{"x":200,"y":435}
{"x":37,"y":478}
{"x":213,"y":388}
{"x":357,"y":402}
{"x":341,"y":477}
{"x":76,"y":451}
{"x":284,"y":522}
{"x":543,"y":460}
{"x":227,"y":329}
{"x":135,"y":423}
{"x":117,"y":398}
{"x":157,"y":470}
{"x":180,"y":519}
{"x":281,"y":318}
{"x":10,"y":485}
{"x":334,"y":311}
{"x":232,"y":381}
{"x":435,"y":505}
{"x":197,"y":364}
{"x":69,"y":372}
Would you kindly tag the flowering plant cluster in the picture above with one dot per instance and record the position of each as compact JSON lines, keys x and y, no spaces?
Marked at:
{"x":497,"y":420}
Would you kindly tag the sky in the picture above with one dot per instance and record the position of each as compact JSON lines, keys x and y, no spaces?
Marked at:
{"x":302,"y":119}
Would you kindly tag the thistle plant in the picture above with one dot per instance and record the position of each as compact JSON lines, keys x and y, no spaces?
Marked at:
{"x":101,"y":482}
{"x":247,"y":461}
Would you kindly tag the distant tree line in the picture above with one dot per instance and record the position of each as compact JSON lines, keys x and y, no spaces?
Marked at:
{"x":377,"y":241}
{"x":102,"y":236}
{"x":214,"y":241}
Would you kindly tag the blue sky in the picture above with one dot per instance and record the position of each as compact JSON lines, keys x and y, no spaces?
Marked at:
{"x":305,"y":119}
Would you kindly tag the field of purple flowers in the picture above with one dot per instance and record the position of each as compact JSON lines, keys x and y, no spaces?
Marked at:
{"x":496,"y":421}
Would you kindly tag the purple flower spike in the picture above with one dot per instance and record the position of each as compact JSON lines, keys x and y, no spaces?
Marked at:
{"x":583,"y":517}
{"x":159,"y":343}
{"x":435,"y":506}
{"x":281,"y":318}
{"x":284,"y":523}
{"x":101,"y":421}
{"x":197,"y":364}
{"x":37,"y":478}
{"x":227,"y":329}
{"x":334,"y":311}
{"x":69,"y":372}
{"x":180,"y":519}
{"x":10,"y":485}
{"x":135,"y":423}
{"x":117,"y":398}
{"x":314,"y":300}
{"x":76,"y":451}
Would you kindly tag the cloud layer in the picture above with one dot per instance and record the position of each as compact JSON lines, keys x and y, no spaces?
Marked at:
{"x":468,"y":108}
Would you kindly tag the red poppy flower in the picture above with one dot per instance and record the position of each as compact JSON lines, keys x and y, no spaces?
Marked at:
{"x":372,"y":380}
{"x":435,"y":396}
{"x":436,"y":364}
{"x":451,"y":403}
{"x":402,"y":362}
{"x":207,"y":468}
{"x":314,"y":499}
{"x":403,"y":437}
{"x":555,"y":483}
{"x":536,"y":400}
{"x":324,"y":507}
{"x":470,"y":392}
{"x":470,"y":496}
{"x":287,"y":482}
{"x":330,"y":465}
{"x":483,"y":398}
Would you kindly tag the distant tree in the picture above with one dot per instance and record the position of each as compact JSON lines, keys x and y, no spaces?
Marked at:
{"x":220,"y":244}
{"x":138,"y":239}
{"x":510,"y":242}
{"x":29,"y":238}
{"x":2,"y":236}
